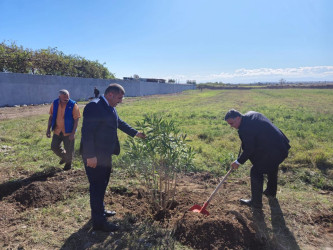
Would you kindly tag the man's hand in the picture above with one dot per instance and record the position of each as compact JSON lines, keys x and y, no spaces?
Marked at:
{"x":234,"y":165}
{"x":71,"y":137}
{"x":92,"y":162}
{"x":48,"y":133}
{"x":141,"y":135}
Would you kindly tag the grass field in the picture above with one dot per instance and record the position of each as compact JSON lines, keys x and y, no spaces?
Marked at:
{"x":304,"y":115}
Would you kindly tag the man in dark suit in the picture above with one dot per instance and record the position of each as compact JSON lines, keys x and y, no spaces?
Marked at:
{"x":98,"y":142}
{"x":96,"y":92}
{"x":265,"y":146}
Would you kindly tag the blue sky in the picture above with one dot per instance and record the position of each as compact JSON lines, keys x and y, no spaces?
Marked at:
{"x":204,"y":40}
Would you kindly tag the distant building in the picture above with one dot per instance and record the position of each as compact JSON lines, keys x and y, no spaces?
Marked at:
{"x":145,"y":79}
{"x":128,"y":78}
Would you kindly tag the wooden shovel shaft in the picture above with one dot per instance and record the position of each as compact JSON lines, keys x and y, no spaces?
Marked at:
{"x":218,"y":186}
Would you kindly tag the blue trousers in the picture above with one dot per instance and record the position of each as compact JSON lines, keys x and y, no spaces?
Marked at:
{"x":98,"y":179}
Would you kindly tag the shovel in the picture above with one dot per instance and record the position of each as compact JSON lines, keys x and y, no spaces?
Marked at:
{"x":198,"y":209}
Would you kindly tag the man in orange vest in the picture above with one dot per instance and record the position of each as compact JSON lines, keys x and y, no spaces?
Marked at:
{"x":63,"y":120}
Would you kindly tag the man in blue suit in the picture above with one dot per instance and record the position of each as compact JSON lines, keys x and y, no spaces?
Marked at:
{"x":265,"y":146}
{"x":99,"y":142}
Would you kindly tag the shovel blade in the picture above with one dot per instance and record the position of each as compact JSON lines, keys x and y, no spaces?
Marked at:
{"x":195,"y":207}
{"x":199,"y":209}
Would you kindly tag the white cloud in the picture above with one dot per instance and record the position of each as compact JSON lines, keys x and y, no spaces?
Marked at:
{"x":316,"y":73}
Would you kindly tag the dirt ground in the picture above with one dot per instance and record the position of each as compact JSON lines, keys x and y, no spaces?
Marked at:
{"x":229,"y":225}
{"x":30,"y":110}
{"x":25,"y":111}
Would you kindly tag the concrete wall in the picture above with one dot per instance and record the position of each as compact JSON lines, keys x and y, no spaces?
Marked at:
{"x":19,"y":89}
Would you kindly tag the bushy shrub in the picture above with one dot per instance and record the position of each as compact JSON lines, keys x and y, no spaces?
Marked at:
{"x":158,"y":158}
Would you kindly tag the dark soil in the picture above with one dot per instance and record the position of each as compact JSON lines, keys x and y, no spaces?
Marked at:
{"x":229,"y":225}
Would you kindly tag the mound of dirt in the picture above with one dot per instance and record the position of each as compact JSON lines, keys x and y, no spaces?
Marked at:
{"x":224,"y":228}
{"x":47,"y":189}
{"x":202,"y":232}
{"x":39,"y":194}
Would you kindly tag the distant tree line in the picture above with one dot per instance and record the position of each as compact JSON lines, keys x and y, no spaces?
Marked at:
{"x":191,"y":82}
{"x":49,"y":61}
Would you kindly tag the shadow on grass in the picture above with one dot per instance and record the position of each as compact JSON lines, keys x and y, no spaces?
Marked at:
{"x":9,"y":187}
{"x":84,"y":238}
{"x":281,"y":233}
{"x":262,"y":232}
{"x":282,"y":237}
{"x":133,"y":234}
{"x":324,"y":166}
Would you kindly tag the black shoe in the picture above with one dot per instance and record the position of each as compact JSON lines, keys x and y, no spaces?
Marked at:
{"x":268,"y":194}
{"x":108,"y":213}
{"x":250,"y":203}
{"x":67,"y":166}
{"x":106,"y":227}
{"x":62,"y":161}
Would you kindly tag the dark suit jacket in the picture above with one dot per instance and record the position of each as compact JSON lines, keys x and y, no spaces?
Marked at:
{"x":262,"y":141}
{"x":99,"y":132}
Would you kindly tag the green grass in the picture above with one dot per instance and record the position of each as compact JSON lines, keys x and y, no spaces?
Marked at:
{"x":304,"y":115}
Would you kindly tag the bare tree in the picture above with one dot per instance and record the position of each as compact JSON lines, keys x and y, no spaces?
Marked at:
{"x":282,"y":81}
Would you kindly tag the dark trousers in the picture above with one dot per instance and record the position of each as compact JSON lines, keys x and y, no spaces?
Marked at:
{"x":269,"y":165}
{"x":98,"y":179}
{"x":67,"y":152}
{"x":257,"y":181}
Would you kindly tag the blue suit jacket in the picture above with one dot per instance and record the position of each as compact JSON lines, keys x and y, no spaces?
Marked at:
{"x":262,"y":141}
{"x":99,"y":132}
